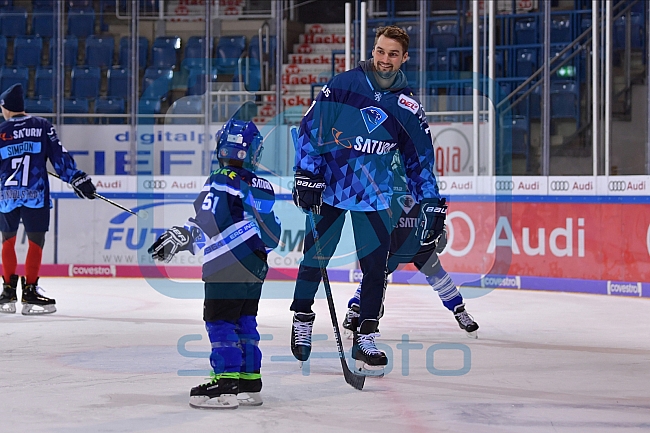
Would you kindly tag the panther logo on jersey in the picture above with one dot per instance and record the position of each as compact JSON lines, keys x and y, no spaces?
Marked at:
{"x":373,"y":117}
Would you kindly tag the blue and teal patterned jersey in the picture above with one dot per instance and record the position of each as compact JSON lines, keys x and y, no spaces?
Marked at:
{"x":26,"y":144}
{"x":234,"y":218}
{"x":349,"y":136}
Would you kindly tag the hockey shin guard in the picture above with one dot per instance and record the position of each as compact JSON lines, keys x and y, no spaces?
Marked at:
{"x":9,"y":260}
{"x":443,"y":284}
{"x":226,"y":354}
{"x":249,"y":338}
{"x":33,"y":262}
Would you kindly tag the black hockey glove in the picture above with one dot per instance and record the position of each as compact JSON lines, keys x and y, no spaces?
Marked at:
{"x":83,"y":186}
{"x":308,"y":191}
{"x":169,"y":243}
{"x":431,"y":222}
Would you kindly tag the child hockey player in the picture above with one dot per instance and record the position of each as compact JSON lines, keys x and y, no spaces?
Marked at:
{"x":235,"y":227}
{"x":405,"y":248}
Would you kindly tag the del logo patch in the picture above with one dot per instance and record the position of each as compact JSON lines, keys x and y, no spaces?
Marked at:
{"x":373,"y":117}
{"x":408,"y":104}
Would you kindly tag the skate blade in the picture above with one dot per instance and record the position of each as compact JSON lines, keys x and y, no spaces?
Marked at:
{"x":9,"y":307}
{"x":363,"y":369}
{"x":473,"y":334}
{"x":249,"y":399}
{"x":35,"y":310}
{"x":225,"y":401}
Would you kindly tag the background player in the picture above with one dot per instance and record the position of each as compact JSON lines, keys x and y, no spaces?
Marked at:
{"x":26,"y":144}
{"x":236,"y":227}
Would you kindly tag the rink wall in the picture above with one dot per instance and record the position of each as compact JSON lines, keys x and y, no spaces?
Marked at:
{"x":576,"y":234}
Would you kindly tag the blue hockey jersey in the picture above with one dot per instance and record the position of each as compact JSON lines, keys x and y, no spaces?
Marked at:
{"x":349,"y":136}
{"x":26,"y":144}
{"x":234,"y":218}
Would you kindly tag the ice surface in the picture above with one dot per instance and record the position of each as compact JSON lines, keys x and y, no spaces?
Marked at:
{"x":119,"y":357}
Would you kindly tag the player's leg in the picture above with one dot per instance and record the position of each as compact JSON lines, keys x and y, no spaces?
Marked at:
{"x":221,"y":311}
{"x":37,"y":223}
{"x":451,"y":298}
{"x":9,"y":226}
{"x":329,"y":225}
{"x":372,"y":240}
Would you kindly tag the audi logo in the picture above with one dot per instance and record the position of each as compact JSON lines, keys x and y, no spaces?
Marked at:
{"x":154,"y":184}
{"x":617,"y":185}
{"x":504,"y":185}
{"x":442,"y":185}
{"x":560,"y":185}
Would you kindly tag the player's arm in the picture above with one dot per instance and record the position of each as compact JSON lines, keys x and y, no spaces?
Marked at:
{"x":261,"y":209}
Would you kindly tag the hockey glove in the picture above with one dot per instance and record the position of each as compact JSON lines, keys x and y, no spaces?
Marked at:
{"x":83,"y":186}
{"x":431,"y":222}
{"x":308,"y":191}
{"x":169,"y":243}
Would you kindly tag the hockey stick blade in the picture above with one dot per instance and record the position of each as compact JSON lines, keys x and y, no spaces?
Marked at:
{"x":140,"y":214}
{"x":356,"y":381}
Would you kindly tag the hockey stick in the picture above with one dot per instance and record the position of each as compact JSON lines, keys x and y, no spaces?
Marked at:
{"x":140,"y":214}
{"x":356,"y":381}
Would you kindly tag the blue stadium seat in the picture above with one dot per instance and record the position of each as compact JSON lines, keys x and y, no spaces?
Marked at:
{"x":70,"y":51}
{"x":252,"y":79}
{"x":254,"y":50}
{"x":229,"y":49}
{"x":187,"y":105}
{"x":39,"y":105}
{"x":638,"y":33}
{"x":111,"y":106}
{"x":44,"y":82}
{"x":28,"y":51}
{"x":10,"y":75}
{"x":196,"y":80}
{"x":148,"y":106}
{"x":81,"y":22}
{"x":163,"y":52}
{"x":43,"y":5}
{"x":79,"y":4}
{"x":3,"y":50}
{"x":517,"y":129}
{"x":443,"y":35}
{"x":99,"y":51}
{"x":6,"y":4}
{"x":125,"y":53}
{"x":468,"y":36}
{"x":85,"y":82}
{"x":526,"y":31}
{"x":564,"y":100}
{"x":195,"y":53}
{"x":157,"y":83}
{"x":43,"y":23}
{"x":118,"y":82}
{"x":526,"y":62}
{"x":13,"y":22}
{"x":76,"y":106}
{"x":561,"y":29}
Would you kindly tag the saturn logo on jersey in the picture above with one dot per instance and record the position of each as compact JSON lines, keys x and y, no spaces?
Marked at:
{"x":373,"y":117}
{"x":336,"y":134}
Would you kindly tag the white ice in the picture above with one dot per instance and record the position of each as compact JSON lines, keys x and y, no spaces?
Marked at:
{"x":109,"y":361}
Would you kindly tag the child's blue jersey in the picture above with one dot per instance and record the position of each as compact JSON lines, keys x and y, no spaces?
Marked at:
{"x":26,"y":144}
{"x":234,"y":218}
{"x":350,"y":134}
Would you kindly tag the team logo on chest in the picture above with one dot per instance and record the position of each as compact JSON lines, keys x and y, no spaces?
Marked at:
{"x":406,"y":202}
{"x":373,"y":117}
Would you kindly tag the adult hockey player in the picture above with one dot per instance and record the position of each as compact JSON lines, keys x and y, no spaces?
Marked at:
{"x":343,"y":164}
{"x":26,"y":144}
{"x":406,"y":248}
{"x":235,"y":227}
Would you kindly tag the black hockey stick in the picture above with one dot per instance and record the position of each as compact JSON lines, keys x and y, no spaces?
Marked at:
{"x":140,"y":214}
{"x":356,"y":381}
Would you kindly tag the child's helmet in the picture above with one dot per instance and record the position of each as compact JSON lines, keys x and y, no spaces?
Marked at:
{"x":240,"y":140}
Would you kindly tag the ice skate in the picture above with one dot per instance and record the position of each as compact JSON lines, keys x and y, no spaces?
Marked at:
{"x":303,"y":323}
{"x":8,"y":297}
{"x":249,"y":389}
{"x":370,"y":361}
{"x":465,"y":321}
{"x":220,"y":393}
{"x":351,"y":321}
{"x":34,"y":303}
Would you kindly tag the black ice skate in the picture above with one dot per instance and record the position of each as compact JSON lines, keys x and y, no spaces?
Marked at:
{"x":351,"y":321}
{"x":465,"y":321}
{"x":219,"y":393}
{"x":8,"y":298}
{"x":250,"y":385}
{"x":370,"y":361}
{"x":34,"y":302}
{"x":303,"y":323}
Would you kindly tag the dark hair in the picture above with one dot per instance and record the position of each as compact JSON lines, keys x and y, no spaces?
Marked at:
{"x":393,"y":32}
